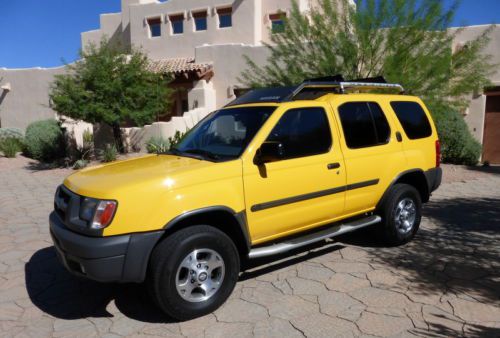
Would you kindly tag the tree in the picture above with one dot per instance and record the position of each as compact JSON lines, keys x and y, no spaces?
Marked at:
{"x":110,"y":87}
{"x":406,"y":41}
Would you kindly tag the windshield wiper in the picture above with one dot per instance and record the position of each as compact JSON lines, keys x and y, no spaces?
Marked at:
{"x":205,"y":153}
{"x":177,"y":152}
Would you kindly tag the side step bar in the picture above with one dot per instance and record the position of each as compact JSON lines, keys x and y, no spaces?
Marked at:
{"x":313,"y":238}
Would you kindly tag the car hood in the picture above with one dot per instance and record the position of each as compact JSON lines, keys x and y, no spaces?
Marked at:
{"x":107,"y":181}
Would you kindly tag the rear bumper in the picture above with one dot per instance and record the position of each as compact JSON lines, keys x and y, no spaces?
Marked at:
{"x":105,"y":259}
{"x":433,"y":177}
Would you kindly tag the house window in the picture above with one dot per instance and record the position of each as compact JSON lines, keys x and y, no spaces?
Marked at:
{"x":277,"y":22}
{"x":200,"y":21}
{"x":154,"y":27}
{"x":177,"y":23}
{"x":225,"y":17}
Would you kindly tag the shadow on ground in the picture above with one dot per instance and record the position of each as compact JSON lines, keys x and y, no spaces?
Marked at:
{"x":456,"y":252}
{"x":57,"y":292}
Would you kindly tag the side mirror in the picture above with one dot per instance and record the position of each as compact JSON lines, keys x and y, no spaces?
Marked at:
{"x":269,"y":152}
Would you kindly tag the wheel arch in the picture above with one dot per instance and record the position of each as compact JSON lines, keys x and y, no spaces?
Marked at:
{"x":413,"y":177}
{"x":223,"y":218}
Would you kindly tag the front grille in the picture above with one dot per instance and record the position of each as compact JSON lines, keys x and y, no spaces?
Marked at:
{"x":67,"y":206}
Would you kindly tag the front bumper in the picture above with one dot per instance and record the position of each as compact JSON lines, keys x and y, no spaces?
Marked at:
{"x":105,"y":259}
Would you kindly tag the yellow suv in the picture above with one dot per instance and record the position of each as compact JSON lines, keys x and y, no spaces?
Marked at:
{"x":274,"y":170}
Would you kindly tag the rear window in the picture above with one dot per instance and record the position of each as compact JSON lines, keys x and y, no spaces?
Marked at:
{"x":413,"y":119}
{"x":364,"y":124}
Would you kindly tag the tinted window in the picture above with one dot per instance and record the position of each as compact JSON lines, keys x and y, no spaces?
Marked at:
{"x":177,"y":26}
{"x":364,"y":124}
{"x":303,"y":132}
{"x":154,"y":27}
{"x":413,"y":119}
{"x":225,"y":133}
{"x":225,"y":20}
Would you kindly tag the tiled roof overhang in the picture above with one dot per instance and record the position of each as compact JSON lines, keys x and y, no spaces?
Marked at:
{"x":181,"y":67}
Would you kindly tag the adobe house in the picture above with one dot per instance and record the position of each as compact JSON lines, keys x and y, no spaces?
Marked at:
{"x":201,"y":43}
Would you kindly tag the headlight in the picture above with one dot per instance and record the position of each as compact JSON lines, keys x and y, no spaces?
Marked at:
{"x":87,"y":209}
{"x":103,"y":214}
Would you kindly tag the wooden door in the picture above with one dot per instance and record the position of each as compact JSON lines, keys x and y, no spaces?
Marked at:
{"x":491,"y":138}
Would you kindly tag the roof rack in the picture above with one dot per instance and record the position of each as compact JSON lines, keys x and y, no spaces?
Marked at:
{"x":343,"y":86}
{"x":324,"y":85}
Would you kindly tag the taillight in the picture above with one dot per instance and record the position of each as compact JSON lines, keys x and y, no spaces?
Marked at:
{"x":103,"y":214}
{"x":438,"y":153}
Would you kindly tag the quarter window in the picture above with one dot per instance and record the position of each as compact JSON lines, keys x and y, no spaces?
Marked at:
{"x":413,"y":119}
{"x":302,"y":132}
{"x":154,"y":27}
{"x":177,"y":23}
{"x":225,"y":17}
{"x":200,"y":21}
{"x":364,"y":124}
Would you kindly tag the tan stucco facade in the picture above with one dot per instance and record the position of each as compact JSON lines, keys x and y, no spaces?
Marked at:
{"x":222,"y":48}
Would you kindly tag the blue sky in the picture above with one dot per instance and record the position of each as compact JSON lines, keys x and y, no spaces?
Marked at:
{"x":46,"y":32}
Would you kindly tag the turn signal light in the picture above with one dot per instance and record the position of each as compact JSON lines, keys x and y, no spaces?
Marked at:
{"x":104,"y":214}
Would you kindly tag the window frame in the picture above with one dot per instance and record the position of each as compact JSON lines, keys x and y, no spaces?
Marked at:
{"x":373,"y":124}
{"x":154,"y":20}
{"x":275,"y":17}
{"x":403,"y":126}
{"x":325,"y":112}
{"x":228,"y":10}
{"x":172,"y":18}
{"x":200,"y":14}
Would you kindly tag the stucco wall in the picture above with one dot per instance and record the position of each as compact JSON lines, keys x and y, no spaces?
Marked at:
{"x":474,"y":115}
{"x":28,"y":99}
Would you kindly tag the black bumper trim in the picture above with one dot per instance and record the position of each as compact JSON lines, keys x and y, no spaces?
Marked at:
{"x":433,"y":177}
{"x":121,"y":258}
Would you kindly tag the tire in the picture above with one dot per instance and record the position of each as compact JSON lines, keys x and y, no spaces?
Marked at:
{"x":401,"y":214}
{"x":193,"y":271}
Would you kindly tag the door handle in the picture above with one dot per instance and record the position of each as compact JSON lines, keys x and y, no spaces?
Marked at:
{"x":399,"y":137}
{"x":331,"y":166}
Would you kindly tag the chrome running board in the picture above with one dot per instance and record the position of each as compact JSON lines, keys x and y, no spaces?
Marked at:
{"x":313,"y":237}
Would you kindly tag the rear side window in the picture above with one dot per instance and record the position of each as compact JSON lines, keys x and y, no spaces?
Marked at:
{"x":364,"y":124}
{"x":413,"y":119}
{"x":303,"y":132}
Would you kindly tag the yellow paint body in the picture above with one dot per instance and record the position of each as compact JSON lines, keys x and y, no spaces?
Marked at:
{"x":154,"y":189}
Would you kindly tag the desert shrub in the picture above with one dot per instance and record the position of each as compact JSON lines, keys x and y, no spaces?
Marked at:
{"x":176,"y":138}
{"x":10,"y":146}
{"x":109,"y":153}
{"x":11,"y":133}
{"x":44,"y":140}
{"x":458,"y":146}
{"x":80,"y":164}
{"x":157,"y":145}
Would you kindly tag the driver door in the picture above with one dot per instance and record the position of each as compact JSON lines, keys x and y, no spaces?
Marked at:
{"x":304,"y":187}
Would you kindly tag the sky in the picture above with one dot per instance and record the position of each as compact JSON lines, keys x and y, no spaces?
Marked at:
{"x":46,"y":33}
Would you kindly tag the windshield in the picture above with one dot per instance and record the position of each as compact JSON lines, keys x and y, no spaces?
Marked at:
{"x":224,"y":134}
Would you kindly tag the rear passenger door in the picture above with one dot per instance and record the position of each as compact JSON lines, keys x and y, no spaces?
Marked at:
{"x":372,"y":153}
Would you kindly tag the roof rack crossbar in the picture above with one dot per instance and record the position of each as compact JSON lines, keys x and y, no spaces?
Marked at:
{"x":345,"y":85}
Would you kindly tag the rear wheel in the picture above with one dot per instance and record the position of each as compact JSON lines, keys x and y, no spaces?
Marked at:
{"x":401,"y":214}
{"x":193,"y":271}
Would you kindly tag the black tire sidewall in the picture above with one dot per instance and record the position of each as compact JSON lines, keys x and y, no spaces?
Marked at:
{"x":169,"y":299}
{"x":398,"y":193}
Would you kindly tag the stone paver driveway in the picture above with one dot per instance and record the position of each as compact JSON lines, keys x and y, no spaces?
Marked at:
{"x":445,"y":283}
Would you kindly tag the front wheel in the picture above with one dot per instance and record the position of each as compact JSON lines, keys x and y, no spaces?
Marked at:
{"x":193,"y":271}
{"x":401,"y":214}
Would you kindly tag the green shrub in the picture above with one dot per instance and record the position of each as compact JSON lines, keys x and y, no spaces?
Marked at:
{"x":44,"y":140}
{"x":10,"y":146}
{"x":176,"y":138}
{"x":80,"y":164}
{"x":11,"y":133}
{"x":109,"y":153}
{"x":458,"y":146}
{"x":157,"y":145}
